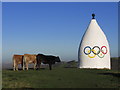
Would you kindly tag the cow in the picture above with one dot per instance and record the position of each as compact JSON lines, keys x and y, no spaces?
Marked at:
{"x":47,"y":59}
{"x":17,"y":59}
{"x":28,"y":59}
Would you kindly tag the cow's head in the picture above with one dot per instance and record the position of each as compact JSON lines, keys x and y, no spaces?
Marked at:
{"x":57,"y":59}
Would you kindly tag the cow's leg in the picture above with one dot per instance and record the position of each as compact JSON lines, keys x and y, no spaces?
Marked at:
{"x":22,"y":66}
{"x":50,"y":66}
{"x":35,"y":65}
{"x":14,"y":68}
{"x":39,"y":63}
{"x":27,"y":66}
{"x":17,"y":67}
{"x":14,"y":65}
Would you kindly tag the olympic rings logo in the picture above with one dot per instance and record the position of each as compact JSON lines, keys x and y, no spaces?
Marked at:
{"x":100,"y":52}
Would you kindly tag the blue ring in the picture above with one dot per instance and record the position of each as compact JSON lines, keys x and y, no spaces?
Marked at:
{"x":85,"y":48}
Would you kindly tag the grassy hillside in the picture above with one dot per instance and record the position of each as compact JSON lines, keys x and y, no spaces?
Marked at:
{"x":63,"y":75}
{"x":60,"y":77}
{"x":0,"y":79}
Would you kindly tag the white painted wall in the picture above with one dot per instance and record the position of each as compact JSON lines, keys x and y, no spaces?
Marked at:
{"x":94,"y":36}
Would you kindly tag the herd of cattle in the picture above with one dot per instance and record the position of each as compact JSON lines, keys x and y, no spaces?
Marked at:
{"x":26,"y":59}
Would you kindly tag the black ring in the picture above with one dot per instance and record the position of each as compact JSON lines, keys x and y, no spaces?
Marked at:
{"x":97,"y":52}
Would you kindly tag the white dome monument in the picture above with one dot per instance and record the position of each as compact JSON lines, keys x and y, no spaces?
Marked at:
{"x":94,"y":49}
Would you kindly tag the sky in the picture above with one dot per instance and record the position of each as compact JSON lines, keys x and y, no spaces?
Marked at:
{"x":60,"y":0}
{"x":54,"y":28}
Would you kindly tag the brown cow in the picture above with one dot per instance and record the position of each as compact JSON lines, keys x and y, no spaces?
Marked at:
{"x":28,"y":59}
{"x":17,"y":59}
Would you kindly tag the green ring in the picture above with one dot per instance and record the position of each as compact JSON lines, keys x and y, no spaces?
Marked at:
{"x":100,"y":56}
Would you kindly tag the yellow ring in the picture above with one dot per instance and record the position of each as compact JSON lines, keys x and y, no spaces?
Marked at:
{"x":92,"y":56}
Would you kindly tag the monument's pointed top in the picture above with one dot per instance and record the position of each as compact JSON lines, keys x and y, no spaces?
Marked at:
{"x":93,"y":16}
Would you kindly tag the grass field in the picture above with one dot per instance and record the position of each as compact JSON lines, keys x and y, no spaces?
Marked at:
{"x":0,"y":78}
{"x":60,"y":77}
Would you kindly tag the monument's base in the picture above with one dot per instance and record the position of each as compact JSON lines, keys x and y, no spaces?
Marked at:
{"x":94,"y":68}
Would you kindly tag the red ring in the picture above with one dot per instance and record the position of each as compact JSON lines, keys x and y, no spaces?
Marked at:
{"x":102,"y":51}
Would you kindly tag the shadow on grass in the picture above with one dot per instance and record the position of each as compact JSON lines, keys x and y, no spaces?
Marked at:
{"x":112,"y":74}
{"x":69,"y":67}
{"x":28,"y":69}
